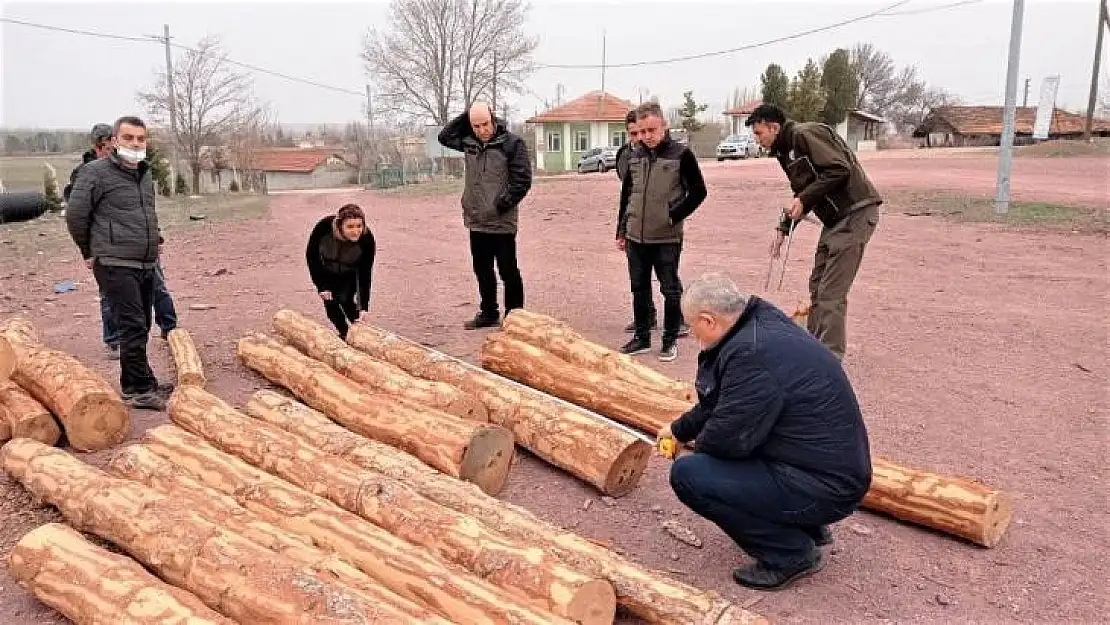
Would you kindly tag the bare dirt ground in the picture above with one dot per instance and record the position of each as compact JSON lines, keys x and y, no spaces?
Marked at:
{"x":976,"y":349}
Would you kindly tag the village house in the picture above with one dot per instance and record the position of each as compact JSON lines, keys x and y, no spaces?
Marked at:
{"x":563,"y":133}
{"x":860,"y":129}
{"x":959,"y":126}
{"x":283,"y":169}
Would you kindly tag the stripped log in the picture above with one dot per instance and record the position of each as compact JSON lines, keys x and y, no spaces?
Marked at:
{"x":21,"y":416}
{"x":89,"y":409}
{"x":322,"y":344}
{"x":562,"y":434}
{"x":954,"y":505}
{"x":367,"y":559}
{"x":560,"y":339}
{"x":7,"y":358}
{"x":190,"y":369}
{"x":602,"y":393}
{"x":476,"y":452}
{"x":227,"y":572}
{"x":648,"y":594}
{"x":528,"y":572}
{"x":90,"y":585}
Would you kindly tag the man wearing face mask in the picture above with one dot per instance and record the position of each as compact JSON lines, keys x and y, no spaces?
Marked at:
{"x":112,"y":220}
{"x":498,"y":176}
{"x":780,"y":447}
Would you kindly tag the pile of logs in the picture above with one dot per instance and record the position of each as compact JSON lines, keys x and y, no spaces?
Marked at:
{"x":545,"y":353}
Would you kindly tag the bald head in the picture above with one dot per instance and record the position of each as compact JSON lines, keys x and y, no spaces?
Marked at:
{"x":481,"y":120}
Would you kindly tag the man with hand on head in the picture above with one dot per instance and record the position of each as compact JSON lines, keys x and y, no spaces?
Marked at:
{"x":498,"y":176}
{"x":829,"y":181}
{"x":780,"y":447}
{"x":112,"y":220}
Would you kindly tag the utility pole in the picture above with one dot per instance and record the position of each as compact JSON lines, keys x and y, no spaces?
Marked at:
{"x":371,"y":152}
{"x":602,"y":98}
{"x":1006,"y":150}
{"x":1025,"y":98}
{"x":173,"y":109}
{"x":493,"y":105}
{"x":1103,"y":24}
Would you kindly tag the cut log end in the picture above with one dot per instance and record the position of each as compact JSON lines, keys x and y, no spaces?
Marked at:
{"x":625,"y":471}
{"x":488,"y":458}
{"x":101,"y":421}
{"x":997,"y":519}
{"x":594,"y":603}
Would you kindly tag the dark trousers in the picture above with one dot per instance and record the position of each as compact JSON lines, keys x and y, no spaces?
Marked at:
{"x":342,"y":309}
{"x":835,"y":265}
{"x":165,"y":315}
{"x":663,"y":258}
{"x":486,"y":249}
{"x":130,"y":294}
{"x":770,"y":522}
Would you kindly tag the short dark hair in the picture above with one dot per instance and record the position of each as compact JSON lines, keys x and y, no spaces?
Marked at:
{"x":130,"y":120}
{"x":630,"y":118}
{"x":648,"y":109}
{"x":100,"y":133}
{"x":349,"y":211}
{"x":764,"y":114}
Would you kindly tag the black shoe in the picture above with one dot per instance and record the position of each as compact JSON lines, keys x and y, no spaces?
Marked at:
{"x":821,"y":535}
{"x":164,"y":390}
{"x":150,"y":400}
{"x":761,"y":577}
{"x":631,"y":328}
{"x":165,"y":336}
{"x":669,"y":351}
{"x":636,"y":346}
{"x":482,"y":320}
{"x":683,"y":330}
{"x":112,"y":351}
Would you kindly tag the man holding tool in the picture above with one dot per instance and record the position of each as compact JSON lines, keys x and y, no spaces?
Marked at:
{"x":828,"y":181}
{"x":780,"y":447}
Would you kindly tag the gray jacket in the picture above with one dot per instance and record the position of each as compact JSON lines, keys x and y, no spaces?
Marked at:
{"x":662,"y":188}
{"x":111,"y":214}
{"x":498,"y":175}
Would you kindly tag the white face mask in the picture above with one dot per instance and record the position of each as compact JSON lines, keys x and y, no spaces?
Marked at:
{"x":129,"y":155}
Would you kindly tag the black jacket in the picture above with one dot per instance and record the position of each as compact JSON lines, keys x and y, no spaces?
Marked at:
{"x":498,"y":175}
{"x":111,"y":213}
{"x":332,"y":262}
{"x":623,"y":154}
{"x":663,"y":187}
{"x":88,"y":156}
{"x":771,"y":391}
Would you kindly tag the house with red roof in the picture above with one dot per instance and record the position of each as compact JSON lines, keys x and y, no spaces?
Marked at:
{"x":283,"y":169}
{"x":563,"y":133}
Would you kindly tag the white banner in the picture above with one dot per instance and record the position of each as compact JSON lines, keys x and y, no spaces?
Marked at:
{"x":1045,"y":106}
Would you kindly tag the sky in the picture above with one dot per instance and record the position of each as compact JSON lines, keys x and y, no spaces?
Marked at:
{"x":60,"y":80}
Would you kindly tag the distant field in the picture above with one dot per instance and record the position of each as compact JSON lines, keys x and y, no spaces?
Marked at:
{"x":24,"y":173}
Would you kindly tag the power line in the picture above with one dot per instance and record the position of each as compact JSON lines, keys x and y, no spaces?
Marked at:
{"x":749,"y":46}
{"x":74,"y":31}
{"x":942,"y":7}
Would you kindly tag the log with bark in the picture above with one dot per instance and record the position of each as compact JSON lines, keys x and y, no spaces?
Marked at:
{"x":527,"y":572}
{"x":648,"y":594}
{"x":955,"y":505}
{"x":560,"y":339}
{"x":322,"y":344}
{"x":476,"y":452}
{"x":602,"y":393}
{"x":229,"y":573}
{"x":90,"y":585}
{"x":88,"y":408}
{"x":190,"y":369}
{"x":21,"y":416}
{"x":567,"y":436}
{"x":356,"y":557}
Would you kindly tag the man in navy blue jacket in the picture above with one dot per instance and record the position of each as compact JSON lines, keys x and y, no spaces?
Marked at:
{"x":780,"y":447}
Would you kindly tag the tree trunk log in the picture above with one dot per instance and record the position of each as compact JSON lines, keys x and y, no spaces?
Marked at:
{"x":224,"y":570}
{"x":7,"y":359}
{"x":954,"y":505}
{"x":320,"y":343}
{"x":23,"y":417}
{"x":647,"y":594}
{"x":565,"y":435}
{"x":476,"y":452}
{"x":604,"y":394}
{"x":560,"y":339}
{"x":91,"y":412}
{"x":529,"y":573}
{"x":90,"y":585}
{"x":958,"y":506}
{"x":190,"y":369}
{"x":418,"y":578}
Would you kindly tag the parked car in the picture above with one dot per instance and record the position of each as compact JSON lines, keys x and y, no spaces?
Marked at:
{"x":737,"y":146}
{"x":597,"y":159}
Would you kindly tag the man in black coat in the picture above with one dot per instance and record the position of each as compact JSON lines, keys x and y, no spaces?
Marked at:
{"x":498,"y":176}
{"x":780,"y":447}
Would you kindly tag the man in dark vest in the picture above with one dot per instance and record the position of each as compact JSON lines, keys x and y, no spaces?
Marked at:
{"x":662,"y":188}
{"x":498,"y":176}
{"x":828,"y":181}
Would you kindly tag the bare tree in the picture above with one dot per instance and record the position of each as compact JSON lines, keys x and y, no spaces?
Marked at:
{"x":743,"y":95}
{"x":212,"y":101}
{"x":915,"y":104}
{"x":244,"y":142}
{"x":876,"y":75}
{"x":436,"y":57}
{"x":1104,"y":95}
